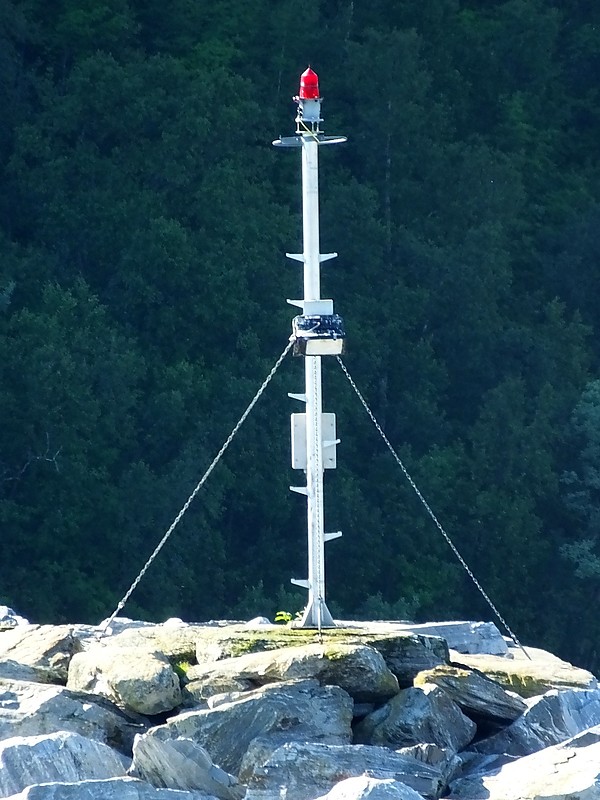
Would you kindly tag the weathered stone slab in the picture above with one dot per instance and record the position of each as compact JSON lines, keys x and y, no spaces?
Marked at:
{"x":138,"y":680}
{"x":358,"y":669}
{"x":567,"y":771}
{"x":550,"y":719}
{"x":474,"y":692}
{"x":466,"y":637}
{"x":365,"y":788}
{"x":57,"y":757}
{"x":176,"y":642}
{"x":301,"y":710}
{"x":417,"y":715}
{"x":308,"y":770}
{"x":405,"y":654}
{"x":528,"y":677}
{"x":108,"y":789}
{"x":49,"y":647}
{"x":120,"y":624}
{"x":31,"y":709}
{"x":182,"y":764}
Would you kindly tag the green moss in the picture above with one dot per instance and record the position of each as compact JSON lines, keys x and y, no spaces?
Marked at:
{"x":524,"y":685}
{"x":441,"y":671}
{"x":241,"y":642}
{"x":332,"y":654}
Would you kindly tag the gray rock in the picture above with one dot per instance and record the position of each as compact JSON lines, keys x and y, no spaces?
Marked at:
{"x":358,"y":669}
{"x":531,"y":676}
{"x":474,"y":765}
{"x":224,"y":697}
{"x":10,"y":619}
{"x":31,"y":709}
{"x":362,"y":709}
{"x":139,"y":680}
{"x":550,"y":719}
{"x":108,"y":789}
{"x":365,"y":788}
{"x":173,"y":641}
{"x":441,"y":758}
{"x":461,"y":636}
{"x":200,"y":692}
{"x":12,"y":670}
{"x":466,"y":637}
{"x":567,"y":771}
{"x":307,"y":770}
{"x":49,"y":647}
{"x":28,"y":760}
{"x":120,"y":624}
{"x":174,"y":622}
{"x":422,"y":714}
{"x":300,"y":710}
{"x":181,"y":764}
{"x":405,"y":653}
{"x":474,"y":692}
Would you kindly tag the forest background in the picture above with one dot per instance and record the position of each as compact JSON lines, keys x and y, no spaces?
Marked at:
{"x":144,"y":218}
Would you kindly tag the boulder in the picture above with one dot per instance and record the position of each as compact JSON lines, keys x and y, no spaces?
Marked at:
{"x":49,"y":647}
{"x":567,"y":771}
{"x":528,"y":676}
{"x":473,"y":692}
{"x":358,"y":669}
{"x":30,"y":709}
{"x":224,"y":697}
{"x":443,"y":759}
{"x":107,"y":789}
{"x":300,"y":710}
{"x":198,"y":693}
{"x":309,"y":769}
{"x":13,"y":671}
{"x":405,"y":654}
{"x":365,"y":788}
{"x":174,"y":641}
{"x":550,"y":719}
{"x":9,"y":619}
{"x":181,"y":764}
{"x":473,"y":764}
{"x":118,"y":625}
{"x":61,"y":756}
{"x":139,"y":680}
{"x":465,"y":637}
{"x":423,"y":714}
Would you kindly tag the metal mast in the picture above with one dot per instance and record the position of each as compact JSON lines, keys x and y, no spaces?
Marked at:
{"x":316,"y":332}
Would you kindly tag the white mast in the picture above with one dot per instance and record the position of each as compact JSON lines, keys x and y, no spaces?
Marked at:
{"x":316,"y":332}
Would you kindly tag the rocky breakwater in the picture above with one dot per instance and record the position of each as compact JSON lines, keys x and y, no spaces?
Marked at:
{"x":266,"y":712}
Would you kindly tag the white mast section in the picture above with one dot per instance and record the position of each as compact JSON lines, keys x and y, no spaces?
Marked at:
{"x":316,"y":332}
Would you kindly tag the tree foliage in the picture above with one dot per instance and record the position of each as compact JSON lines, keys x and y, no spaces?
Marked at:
{"x":143,"y":222}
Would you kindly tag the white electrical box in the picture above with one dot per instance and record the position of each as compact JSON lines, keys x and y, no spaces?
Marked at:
{"x":299,"y":441}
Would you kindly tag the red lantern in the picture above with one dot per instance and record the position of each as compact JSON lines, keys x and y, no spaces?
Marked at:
{"x":309,"y":85}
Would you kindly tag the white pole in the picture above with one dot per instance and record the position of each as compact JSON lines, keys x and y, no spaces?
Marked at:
{"x":316,"y":613}
{"x":310,"y":217}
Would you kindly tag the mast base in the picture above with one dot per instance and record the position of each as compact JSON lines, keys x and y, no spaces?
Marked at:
{"x":316,"y":615}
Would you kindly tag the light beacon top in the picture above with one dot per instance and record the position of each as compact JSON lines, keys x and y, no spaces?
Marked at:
{"x":309,"y":85}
